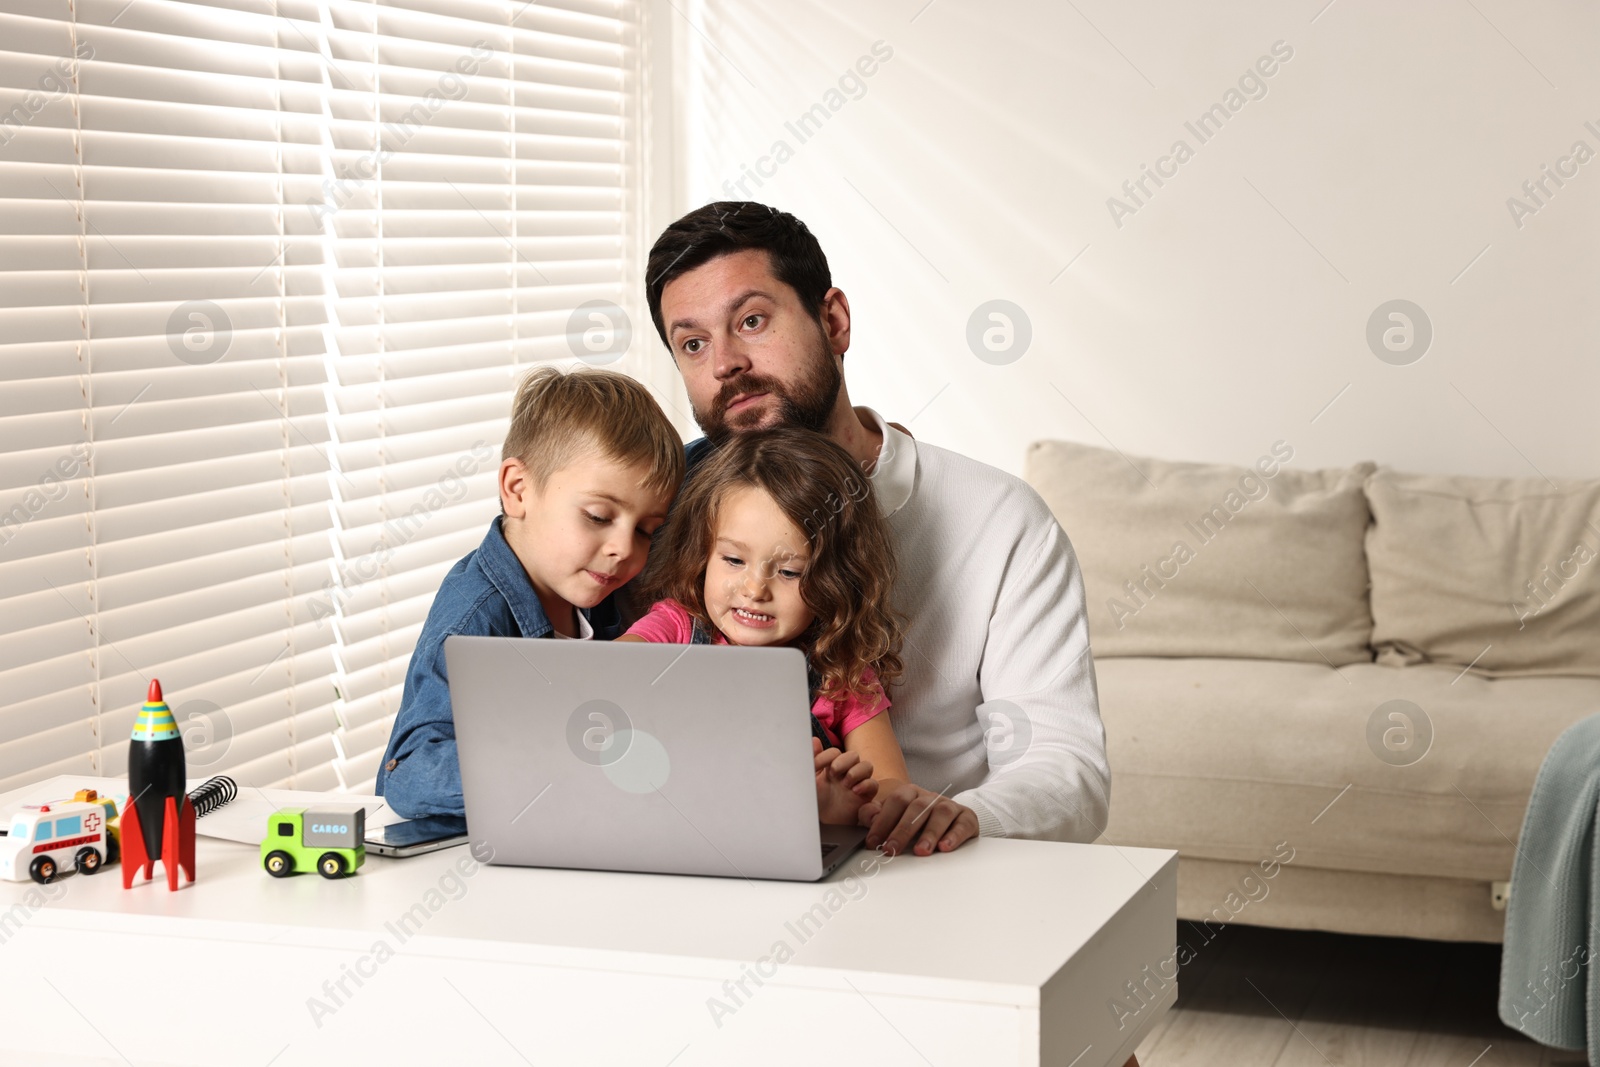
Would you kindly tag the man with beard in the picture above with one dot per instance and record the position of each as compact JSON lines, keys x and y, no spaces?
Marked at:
{"x":998,"y":715}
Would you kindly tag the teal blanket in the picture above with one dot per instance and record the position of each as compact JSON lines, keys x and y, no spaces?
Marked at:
{"x":1547,"y":988}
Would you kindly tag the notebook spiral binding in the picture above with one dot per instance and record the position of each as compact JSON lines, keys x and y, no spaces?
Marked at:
{"x":212,"y":794}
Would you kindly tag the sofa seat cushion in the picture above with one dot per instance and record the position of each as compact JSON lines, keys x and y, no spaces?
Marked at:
{"x":1223,"y":758}
{"x":1207,"y":559}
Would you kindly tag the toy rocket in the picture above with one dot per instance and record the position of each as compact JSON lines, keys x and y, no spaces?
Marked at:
{"x":158,"y":819}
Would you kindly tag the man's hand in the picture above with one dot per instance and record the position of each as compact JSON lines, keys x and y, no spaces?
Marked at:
{"x":844,"y":783}
{"x":906,"y":811}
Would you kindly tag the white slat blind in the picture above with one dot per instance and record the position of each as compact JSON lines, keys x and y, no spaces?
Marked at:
{"x":269,"y":272}
{"x":495,"y":207}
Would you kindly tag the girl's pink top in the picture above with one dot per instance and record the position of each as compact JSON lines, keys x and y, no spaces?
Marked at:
{"x":669,"y":623}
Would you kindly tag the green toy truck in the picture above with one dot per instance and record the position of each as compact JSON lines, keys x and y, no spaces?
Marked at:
{"x":330,"y":841}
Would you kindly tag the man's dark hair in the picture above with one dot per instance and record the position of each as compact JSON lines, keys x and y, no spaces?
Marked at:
{"x":732,"y":226}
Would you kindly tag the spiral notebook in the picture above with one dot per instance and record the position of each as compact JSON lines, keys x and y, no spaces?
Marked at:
{"x":223,"y":809}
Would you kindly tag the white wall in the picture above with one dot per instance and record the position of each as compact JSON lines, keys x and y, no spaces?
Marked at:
{"x":1232,"y":307}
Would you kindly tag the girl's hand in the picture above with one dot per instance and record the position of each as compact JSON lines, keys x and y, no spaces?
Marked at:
{"x":844,"y":784}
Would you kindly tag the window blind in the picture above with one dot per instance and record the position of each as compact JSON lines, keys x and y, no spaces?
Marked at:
{"x":459,"y":264}
{"x":269,"y":272}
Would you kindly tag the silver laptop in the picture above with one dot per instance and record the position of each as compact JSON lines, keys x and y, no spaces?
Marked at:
{"x":668,"y":759}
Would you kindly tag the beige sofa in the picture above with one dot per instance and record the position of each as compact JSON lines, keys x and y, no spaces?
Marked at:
{"x":1330,"y":690}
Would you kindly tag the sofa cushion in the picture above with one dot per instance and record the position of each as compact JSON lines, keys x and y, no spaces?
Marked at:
{"x":1225,"y":758}
{"x":1201,"y":559}
{"x":1500,"y":573}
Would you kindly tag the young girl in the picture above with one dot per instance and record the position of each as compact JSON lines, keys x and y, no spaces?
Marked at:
{"x":777,"y":540}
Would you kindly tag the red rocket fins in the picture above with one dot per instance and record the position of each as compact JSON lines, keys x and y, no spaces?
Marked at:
{"x":177,"y":840}
{"x":169,"y":841}
{"x":134,"y":855}
{"x":185,"y":838}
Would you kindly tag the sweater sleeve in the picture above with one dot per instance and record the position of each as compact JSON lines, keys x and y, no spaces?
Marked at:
{"x":1048,"y":778}
{"x":666,"y":623}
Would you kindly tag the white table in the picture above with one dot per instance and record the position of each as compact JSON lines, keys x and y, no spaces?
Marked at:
{"x":1002,"y":952}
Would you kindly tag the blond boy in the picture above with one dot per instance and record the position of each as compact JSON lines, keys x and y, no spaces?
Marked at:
{"x":589,"y":468}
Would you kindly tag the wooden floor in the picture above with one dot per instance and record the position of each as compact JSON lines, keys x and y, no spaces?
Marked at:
{"x":1284,"y":998}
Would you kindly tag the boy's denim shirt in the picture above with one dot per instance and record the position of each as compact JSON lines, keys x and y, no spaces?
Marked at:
{"x":486,"y":593}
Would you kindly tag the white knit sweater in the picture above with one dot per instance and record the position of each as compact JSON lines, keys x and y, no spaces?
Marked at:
{"x":997,"y":646}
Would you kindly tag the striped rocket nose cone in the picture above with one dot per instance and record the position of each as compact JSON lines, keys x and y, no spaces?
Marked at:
{"x":155,"y":722}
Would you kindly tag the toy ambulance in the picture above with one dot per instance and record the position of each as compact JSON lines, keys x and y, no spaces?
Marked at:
{"x":113,"y":821}
{"x":330,"y":841}
{"x":41,"y":839}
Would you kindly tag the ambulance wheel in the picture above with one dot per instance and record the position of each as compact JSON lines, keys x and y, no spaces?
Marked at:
{"x":88,"y":860}
{"x":278,"y":864}
{"x":113,"y":850}
{"x":43,"y":870}
{"x":331,"y":865}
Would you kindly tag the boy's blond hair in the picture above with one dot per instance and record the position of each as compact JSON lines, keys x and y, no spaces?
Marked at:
{"x":558,"y":417}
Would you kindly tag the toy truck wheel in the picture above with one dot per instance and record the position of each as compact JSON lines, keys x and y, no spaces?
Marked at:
{"x":278,"y":864}
{"x":42,"y":870}
{"x":331,"y":865}
{"x":113,"y":850}
{"x":88,"y":860}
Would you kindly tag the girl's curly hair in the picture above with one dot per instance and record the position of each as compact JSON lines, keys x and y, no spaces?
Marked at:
{"x":849,"y":581}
